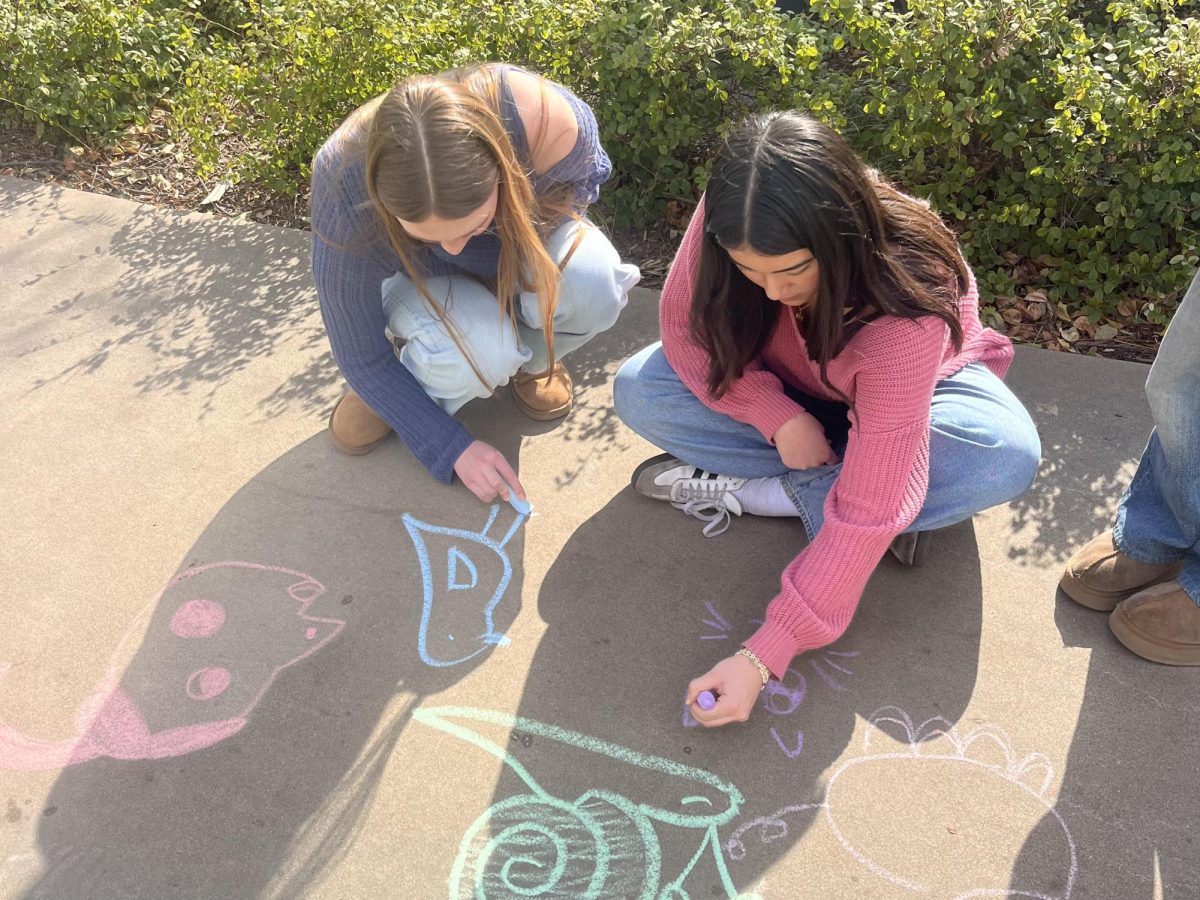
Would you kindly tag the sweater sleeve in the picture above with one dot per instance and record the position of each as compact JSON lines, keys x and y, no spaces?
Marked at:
{"x":350,"y":260}
{"x":756,"y":398}
{"x":878,"y":493}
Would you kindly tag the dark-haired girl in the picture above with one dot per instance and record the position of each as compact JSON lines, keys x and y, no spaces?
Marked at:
{"x":822,"y":357}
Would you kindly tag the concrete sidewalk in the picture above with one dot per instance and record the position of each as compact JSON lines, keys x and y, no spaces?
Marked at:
{"x":238,"y":664}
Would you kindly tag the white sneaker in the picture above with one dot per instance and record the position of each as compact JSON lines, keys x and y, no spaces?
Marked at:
{"x":702,"y":495}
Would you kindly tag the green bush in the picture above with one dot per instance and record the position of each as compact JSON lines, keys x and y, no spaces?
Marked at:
{"x":90,"y":67}
{"x":1058,"y":131}
{"x":1072,"y":141}
{"x":294,"y":72}
{"x":665,"y":78}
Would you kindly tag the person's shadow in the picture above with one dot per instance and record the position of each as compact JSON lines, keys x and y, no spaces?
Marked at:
{"x":244,"y":727}
{"x":610,"y":788}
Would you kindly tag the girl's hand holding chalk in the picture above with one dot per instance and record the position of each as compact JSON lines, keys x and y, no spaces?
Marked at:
{"x":726,"y":693}
{"x":487,"y":474}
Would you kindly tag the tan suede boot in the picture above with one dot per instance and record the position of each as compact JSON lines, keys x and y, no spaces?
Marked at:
{"x":1099,"y":576}
{"x":354,"y":427}
{"x":1161,"y":624}
{"x":545,"y":396}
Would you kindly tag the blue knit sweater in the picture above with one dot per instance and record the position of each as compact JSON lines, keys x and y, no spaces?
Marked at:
{"x":351,"y":258}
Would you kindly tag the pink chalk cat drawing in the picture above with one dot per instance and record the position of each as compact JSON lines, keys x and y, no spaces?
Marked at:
{"x":214,"y":641}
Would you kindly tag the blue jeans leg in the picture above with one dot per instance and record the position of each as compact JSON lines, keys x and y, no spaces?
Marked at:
{"x":593,"y":290}
{"x":984,"y":448}
{"x":1158,"y":520}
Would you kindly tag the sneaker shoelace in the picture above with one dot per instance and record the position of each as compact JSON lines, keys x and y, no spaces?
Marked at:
{"x":703,"y":500}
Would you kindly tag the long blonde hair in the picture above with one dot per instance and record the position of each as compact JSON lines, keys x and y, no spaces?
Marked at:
{"x":437,"y":147}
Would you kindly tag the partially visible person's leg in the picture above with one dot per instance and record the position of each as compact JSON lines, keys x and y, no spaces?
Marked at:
{"x":1157,"y":518}
{"x":711,"y":459}
{"x":477,"y":353}
{"x":1158,"y":521}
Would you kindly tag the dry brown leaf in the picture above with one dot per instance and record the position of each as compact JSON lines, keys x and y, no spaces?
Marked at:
{"x":1023,"y":333}
{"x":1012,"y":316}
{"x":678,"y":215}
{"x":1128,"y":307}
{"x":1026,"y":272}
{"x":1084,"y":326}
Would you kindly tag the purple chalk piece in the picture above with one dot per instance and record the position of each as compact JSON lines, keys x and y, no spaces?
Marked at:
{"x":706,"y":700}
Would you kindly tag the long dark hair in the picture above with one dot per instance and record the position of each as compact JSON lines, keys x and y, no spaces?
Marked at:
{"x":783,"y":182}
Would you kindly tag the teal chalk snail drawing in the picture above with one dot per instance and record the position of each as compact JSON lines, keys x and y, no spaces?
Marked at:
{"x":600,"y":844}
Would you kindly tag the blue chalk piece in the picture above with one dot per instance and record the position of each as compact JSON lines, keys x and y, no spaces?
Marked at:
{"x":521,"y":506}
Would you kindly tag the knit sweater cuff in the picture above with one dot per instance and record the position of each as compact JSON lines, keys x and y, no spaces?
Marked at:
{"x":770,"y":411}
{"x":776,"y":644}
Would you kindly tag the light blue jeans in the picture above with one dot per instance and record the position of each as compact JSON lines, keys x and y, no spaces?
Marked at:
{"x":593,"y":289}
{"x":983,"y":448}
{"x":1158,"y":520}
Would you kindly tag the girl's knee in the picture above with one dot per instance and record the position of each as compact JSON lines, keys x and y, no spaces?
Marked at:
{"x":1021,"y":455}
{"x":595,"y":285}
{"x":447,"y":372}
{"x":452,"y":386}
{"x":634,"y":390}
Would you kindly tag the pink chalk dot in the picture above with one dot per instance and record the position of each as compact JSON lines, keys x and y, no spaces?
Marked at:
{"x":205,"y":684}
{"x":311,"y":633}
{"x":198,"y":618}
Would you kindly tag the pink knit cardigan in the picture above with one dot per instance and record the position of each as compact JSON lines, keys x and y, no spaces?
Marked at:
{"x":889,"y":369}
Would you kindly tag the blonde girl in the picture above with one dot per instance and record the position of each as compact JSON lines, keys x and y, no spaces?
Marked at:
{"x":451,"y":257}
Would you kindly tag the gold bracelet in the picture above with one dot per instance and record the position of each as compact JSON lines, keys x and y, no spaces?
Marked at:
{"x":763,"y":671}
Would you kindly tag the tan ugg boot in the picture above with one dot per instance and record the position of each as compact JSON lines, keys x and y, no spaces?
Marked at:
{"x":354,"y":427}
{"x":1161,"y":624}
{"x":545,"y":396}
{"x":1099,"y":576}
